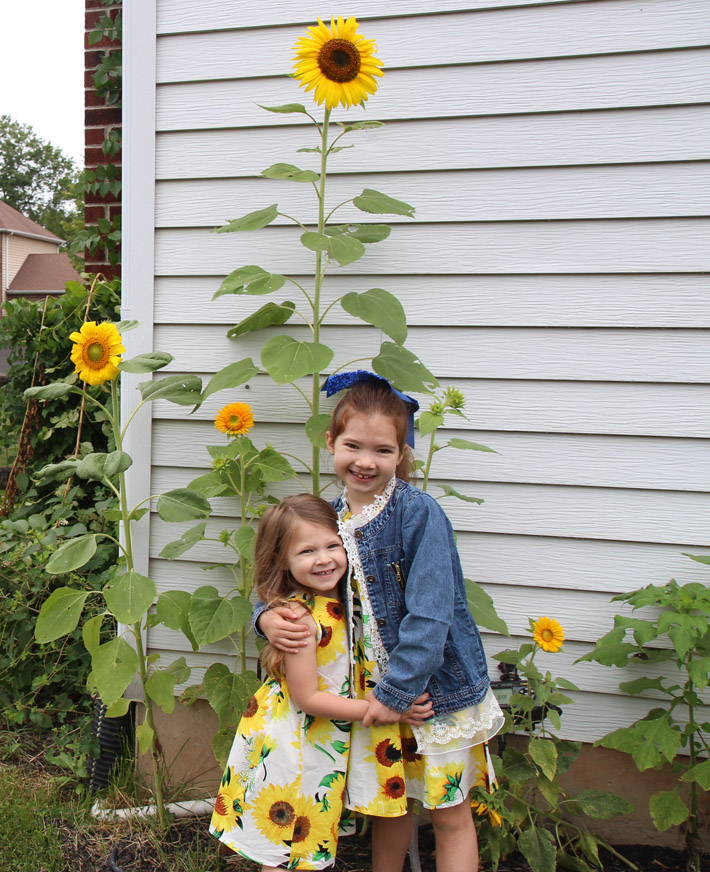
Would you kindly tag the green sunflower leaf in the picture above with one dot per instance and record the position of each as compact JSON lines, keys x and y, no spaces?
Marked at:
{"x":60,"y":613}
{"x":286,"y":359}
{"x":251,"y":221}
{"x":160,"y":687}
{"x":144,"y":735}
{"x":360,"y":125}
{"x":211,"y":616}
{"x":288,"y":172}
{"x":129,"y":596}
{"x":273,"y":465}
{"x":602,"y":806}
{"x":231,"y":376}
{"x":189,"y":538}
{"x":48,"y":392}
{"x":467,"y":445}
{"x":286,"y":108}
{"x":452,"y":492}
{"x":428,"y":422}
{"x":667,"y":809}
{"x":403,"y":369}
{"x":270,"y":315}
{"x":113,"y":666}
{"x":173,"y":610}
{"x":378,"y":203}
{"x":343,"y":249}
{"x":150,"y":361}
{"x":251,"y":280}
{"x":379,"y":308}
{"x":483,"y":609}
{"x":182,"y":504}
{"x":72,"y":554}
{"x":181,"y":389}
{"x":316,"y":428}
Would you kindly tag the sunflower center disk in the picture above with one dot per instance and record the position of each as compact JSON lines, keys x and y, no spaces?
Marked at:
{"x":339,"y":60}
{"x":281,"y":813}
{"x":95,"y":352}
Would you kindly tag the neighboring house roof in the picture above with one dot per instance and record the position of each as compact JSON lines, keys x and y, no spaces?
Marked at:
{"x":12,"y":221}
{"x":43,"y":273}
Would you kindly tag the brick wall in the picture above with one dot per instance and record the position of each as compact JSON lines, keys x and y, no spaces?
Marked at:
{"x":99,"y":119}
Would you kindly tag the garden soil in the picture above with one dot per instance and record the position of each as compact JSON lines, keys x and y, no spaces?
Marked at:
{"x":135,"y":851}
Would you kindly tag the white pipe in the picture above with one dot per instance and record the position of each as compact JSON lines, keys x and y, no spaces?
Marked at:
{"x":179,"y":809}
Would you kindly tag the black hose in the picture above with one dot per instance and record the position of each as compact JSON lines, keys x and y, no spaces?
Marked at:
{"x":114,"y":736}
{"x":112,"y":860}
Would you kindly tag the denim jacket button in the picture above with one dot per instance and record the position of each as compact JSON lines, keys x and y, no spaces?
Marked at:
{"x":381,"y":622}
{"x":371,"y":579}
{"x":358,"y":534}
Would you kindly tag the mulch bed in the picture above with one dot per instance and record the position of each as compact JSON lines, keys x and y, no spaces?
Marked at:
{"x":135,"y":851}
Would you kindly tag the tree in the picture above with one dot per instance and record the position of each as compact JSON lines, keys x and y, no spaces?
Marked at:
{"x":38,"y":179}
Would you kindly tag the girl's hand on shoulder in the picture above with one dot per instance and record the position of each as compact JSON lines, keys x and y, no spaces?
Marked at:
{"x":282,"y":628}
{"x":419,"y":712}
{"x":378,"y":714}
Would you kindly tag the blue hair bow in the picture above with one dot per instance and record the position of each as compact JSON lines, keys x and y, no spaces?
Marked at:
{"x":343,"y":380}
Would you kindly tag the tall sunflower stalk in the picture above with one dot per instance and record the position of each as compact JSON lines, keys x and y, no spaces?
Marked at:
{"x":338,"y":65}
{"x":128,"y":596}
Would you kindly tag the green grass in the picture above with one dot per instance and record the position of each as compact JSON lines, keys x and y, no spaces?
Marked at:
{"x":27,"y":832}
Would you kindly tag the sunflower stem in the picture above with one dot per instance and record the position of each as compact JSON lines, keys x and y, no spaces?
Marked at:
{"x":315,"y":389}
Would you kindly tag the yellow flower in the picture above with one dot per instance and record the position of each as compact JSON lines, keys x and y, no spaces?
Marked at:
{"x":97,"y":352}
{"x":337,"y":62}
{"x":254,"y":715}
{"x":482,"y":809}
{"x":549,"y":634}
{"x":234,"y":419}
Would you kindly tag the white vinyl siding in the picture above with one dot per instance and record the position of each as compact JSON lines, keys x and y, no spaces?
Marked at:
{"x":556,"y":154}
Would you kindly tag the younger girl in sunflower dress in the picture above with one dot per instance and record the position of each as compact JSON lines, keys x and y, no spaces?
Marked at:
{"x":281,"y":796}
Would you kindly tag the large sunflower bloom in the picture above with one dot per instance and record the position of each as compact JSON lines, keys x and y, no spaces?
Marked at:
{"x":311,"y":829}
{"x":338,"y":62}
{"x":549,"y":634}
{"x":274,"y":811}
{"x":97,"y":351}
{"x":234,"y":419}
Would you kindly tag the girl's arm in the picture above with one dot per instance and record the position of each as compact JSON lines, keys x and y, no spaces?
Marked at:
{"x":281,"y":628}
{"x":302,"y":679}
{"x":433,"y":564}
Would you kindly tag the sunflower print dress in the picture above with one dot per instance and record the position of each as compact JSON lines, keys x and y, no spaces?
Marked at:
{"x":281,"y":796}
{"x":437,"y":764}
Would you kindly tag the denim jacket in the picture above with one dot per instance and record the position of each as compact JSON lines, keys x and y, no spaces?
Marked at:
{"x":416,"y":587}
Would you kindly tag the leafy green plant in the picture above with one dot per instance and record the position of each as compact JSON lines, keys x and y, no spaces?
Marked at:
{"x":674,"y":632}
{"x":238,"y":470}
{"x":530,"y":811}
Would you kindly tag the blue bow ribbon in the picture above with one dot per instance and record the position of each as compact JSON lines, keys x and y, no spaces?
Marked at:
{"x":343,"y":380}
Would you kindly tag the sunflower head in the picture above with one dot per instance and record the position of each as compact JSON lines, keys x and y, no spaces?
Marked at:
{"x":338,"y":62}
{"x":482,"y":810}
{"x":234,"y":419}
{"x":548,"y":633}
{"x":96,"y":352}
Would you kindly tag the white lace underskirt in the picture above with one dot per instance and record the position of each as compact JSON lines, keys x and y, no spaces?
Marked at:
{"x":461,"y":729}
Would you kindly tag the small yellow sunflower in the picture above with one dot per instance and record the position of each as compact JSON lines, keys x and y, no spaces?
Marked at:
{"x":482,"y":809}
{"x":338,"y":62}
{"x":254,"y":715}
{"x":96,"y":352}
{"x":234,"y":419}
{"x":549,"y":634}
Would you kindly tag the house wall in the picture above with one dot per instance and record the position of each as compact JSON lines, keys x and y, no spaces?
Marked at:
{"x":555,"y":152}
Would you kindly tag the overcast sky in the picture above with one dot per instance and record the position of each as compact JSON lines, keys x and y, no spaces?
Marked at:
{"x":42,"y":70}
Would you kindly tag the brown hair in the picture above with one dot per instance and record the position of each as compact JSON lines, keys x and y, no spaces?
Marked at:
{"x":274,"y":583}
{"x":376,"y":398}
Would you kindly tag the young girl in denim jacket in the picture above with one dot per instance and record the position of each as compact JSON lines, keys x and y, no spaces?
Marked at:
{"x":411,"y":633}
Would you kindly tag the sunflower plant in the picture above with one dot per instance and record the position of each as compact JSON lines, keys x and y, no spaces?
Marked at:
{"x":241,"y":471}
{"x":124,"y":604}
{"x":338,"y":65}
{"x":674,"y":631}
{"x":530,"y":811}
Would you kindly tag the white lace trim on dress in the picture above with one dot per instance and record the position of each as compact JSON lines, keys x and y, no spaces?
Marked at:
{"x":347,"y":527}
{"x":460,"y":729}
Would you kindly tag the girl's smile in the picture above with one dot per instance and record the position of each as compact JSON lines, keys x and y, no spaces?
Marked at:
{"x":365,"y":456}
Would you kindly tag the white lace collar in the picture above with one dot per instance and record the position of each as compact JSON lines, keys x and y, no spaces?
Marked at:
{"x":371,"y":510}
